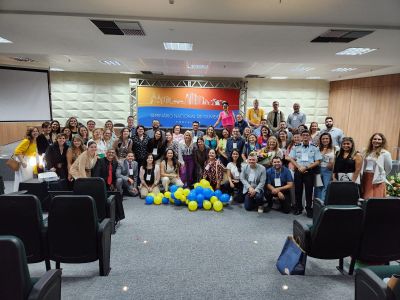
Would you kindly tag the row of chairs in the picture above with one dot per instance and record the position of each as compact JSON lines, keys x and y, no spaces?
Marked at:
{"x":342,"y":228}
{"x":73,"y":232}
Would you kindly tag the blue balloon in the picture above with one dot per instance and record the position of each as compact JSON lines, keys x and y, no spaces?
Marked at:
{"x":199,"y":190}
{"x":200,"y":204}
{"x":200,"y":198}
{"x":149,"y":200}
{"x":218,"y":193}
{"x":173,"y":188}
{"x":224,"y":198}
{"x":178,"y":202}
{"x":192,"y":196}
{"x":165,"y":200}
{"x":207,"y":193}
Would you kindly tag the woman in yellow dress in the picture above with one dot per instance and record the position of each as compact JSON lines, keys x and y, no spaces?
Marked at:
{"x":26,"y":153}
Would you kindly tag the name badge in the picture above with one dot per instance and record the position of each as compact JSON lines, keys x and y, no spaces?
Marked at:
{"x":370,"y":165}
{"x":148,"y":177}
{"x":234,"y":146}
{"x":207,"y":167}
{"x":130,"y":171}
{"x":155,"y":151}
{"x":304,"y":156}
{"x":195,"y":139}
{"x":278,"y":182}
{"x":251,"y":177}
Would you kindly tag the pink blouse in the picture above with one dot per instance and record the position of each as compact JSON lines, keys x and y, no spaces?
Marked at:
{"x":227,"y":118}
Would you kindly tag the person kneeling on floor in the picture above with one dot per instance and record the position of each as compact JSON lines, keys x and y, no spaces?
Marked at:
{"x":253,"y":178}
{"x":279,"y":183}
{"x":128,"y":173}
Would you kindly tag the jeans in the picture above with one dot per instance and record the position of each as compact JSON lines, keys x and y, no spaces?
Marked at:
{"x":250,"y":203}
{"x":326,"y":176}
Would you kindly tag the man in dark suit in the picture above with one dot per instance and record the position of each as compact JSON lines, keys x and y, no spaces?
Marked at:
{"x":106,"y":168}
{"x":127,"y":175}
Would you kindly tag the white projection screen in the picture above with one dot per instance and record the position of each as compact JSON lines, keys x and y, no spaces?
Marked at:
{"x":24,"y":95}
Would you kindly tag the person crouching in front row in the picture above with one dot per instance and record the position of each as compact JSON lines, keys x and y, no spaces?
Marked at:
{"x":128,"y":174}
{"x":149,"y":175}
{"x":106,"y":168}
{"x":279,"y":183}
{"x":253,"y":177}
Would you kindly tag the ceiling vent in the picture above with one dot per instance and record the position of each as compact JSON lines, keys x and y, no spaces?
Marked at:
{"x":119,"y":27}
{"x":23,"y":59}
{"x":341,"y":36}
{"x":253,"y":76}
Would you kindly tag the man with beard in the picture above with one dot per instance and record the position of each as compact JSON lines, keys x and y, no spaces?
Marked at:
{"x":336,"y":133}
{"x":155,"y":125}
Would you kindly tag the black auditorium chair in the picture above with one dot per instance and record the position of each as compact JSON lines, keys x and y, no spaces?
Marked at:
{"x":337,"y":193}
{"x":369,"y":283}
{"x":96,"y":188}
{"x":380,"y":242}
{"x":21,"y":216}
{"x":15,"y":280}
{"x":75,"y":234}
{"x":334,"y":235}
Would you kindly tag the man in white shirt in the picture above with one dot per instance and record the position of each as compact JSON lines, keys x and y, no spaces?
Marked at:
{"x":296,"y":118}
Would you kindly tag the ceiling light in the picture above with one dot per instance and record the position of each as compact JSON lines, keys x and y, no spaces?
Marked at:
{"x":197,"y":67}
{"x":278,"y":77}
{"x":129,"y":73}
{"x":313,"y":77}
{"x":356,"y":51}
{"x":5,"y":41}
{"x":343,"y":69}
{"x":303,"y":69}
{"x":56,"y":69}
{"x":23,"y":59}
{"x":178,"y":46}
{"x":110,"y":62}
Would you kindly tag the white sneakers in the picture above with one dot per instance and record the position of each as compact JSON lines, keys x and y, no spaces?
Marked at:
{"x":260,"y":209}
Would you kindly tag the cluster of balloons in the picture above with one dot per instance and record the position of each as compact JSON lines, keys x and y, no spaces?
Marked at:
{"x":201,"y":196}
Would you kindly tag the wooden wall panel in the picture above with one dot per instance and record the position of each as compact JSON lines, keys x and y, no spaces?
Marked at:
{"x":363,"y":106}
{"x":14,"y":131}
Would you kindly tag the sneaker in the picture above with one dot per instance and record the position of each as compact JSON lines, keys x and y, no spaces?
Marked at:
{"x":297,"y":212}
{"x":260,"y":209}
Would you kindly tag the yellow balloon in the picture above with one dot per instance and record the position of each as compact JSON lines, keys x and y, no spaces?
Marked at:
{"x":151,"y":194}
{"x":180,"y":189}
{"x":203,"y":181}
{"x":171,"y":200}
{"x":167,"y":194}
{"x":160,"y":195}
{"x":178,"y":194}
{"x":196,"y":185}
{"x":213,"y":199}
{"x":186,"y":192}
{"x":187,"y":202}
{"x":157,"y":200}
{"x":218,"y":206}
{"x":207,"y":204}
{"x":192,"y":205}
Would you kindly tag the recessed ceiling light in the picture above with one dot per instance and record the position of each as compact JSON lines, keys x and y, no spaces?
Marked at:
{"x":356,"y":51}
{"x":23,"y":59}
{"x":343,"y":69}
{"x":313,"y":77}
{"x":56,"y":69}
{"x":109,"y":62}
{"x":197,"y":67}
{"x":5,"y":41}
{"x":279,"y":77}
{"x":124,"y":72}
{"x":178,"y":46}
{"x":303,"y":69}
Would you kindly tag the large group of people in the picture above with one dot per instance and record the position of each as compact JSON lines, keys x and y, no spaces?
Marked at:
{"x":258,"y":158}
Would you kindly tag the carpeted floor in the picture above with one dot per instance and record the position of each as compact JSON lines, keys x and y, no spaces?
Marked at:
{"x":166,"y":252}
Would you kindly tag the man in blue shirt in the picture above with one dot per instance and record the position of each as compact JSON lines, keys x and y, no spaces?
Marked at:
{"x":241,"y":123}
{"x":336,"y":133}
{"x":234,"y":142}
{"x":279,"y":183}
{"x":306,"y":157}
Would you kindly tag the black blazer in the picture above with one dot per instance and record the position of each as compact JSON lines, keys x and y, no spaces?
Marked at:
{"x":42,"y":143}
{"x":55,"y":159}
{"x":101,"y":169}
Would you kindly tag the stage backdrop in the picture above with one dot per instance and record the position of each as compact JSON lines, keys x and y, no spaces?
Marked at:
{"x":183,"y":105}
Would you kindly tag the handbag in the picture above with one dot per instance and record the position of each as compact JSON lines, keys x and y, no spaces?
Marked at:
{"x":13,"y":164}
{"x":292,"y":260}
{"x":347,"y":177}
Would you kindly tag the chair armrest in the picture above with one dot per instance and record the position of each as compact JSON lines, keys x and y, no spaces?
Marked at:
{"x":369,"y":286}
{"x":110,"y":212}
{"x":104,"y":246}
{"x":318,"y":206}
{"x":48,"y":286}
{"x":302,"y":235}
{"x":22,"y":192}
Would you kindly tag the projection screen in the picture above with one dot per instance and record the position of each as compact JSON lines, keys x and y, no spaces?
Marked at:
{"x":24,"y":95}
